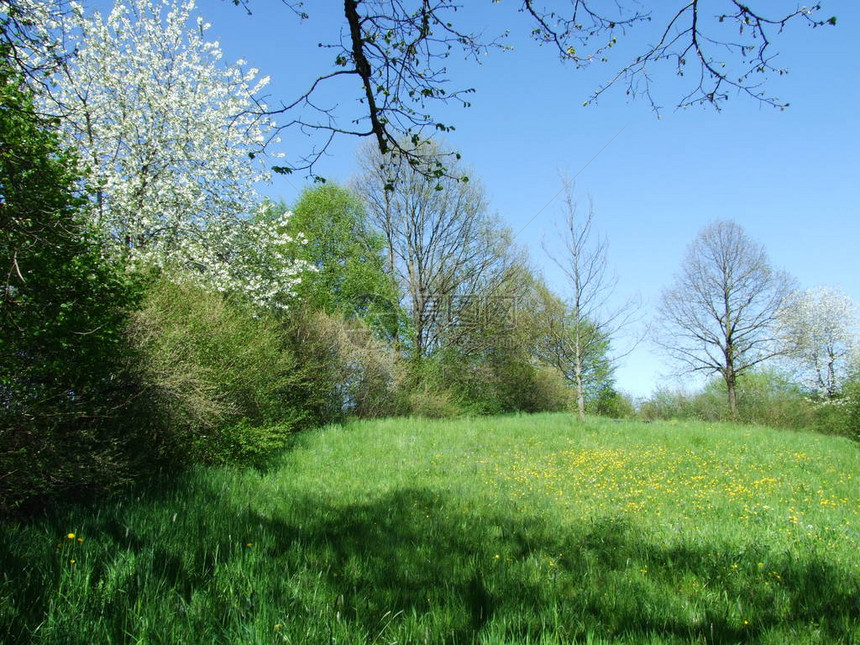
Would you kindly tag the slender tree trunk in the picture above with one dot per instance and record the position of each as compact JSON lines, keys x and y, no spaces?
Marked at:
{"x":389,"y":240}
{"x":580,"y":388}
{"x":831,"y":375}
{"x":580,"y":398}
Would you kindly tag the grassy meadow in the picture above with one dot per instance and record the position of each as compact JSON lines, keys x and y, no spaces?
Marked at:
{"x":526,"y":529}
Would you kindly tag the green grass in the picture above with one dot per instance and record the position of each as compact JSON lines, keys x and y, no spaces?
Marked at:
{"x":531,"y":529}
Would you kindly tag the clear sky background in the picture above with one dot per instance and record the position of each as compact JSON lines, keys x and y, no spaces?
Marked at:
{"x":789,"y":178}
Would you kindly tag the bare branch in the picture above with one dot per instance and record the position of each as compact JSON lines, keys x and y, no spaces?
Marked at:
{"x":398,"y":50}
{"x":719,"y":316}
{"x":579,"y":340}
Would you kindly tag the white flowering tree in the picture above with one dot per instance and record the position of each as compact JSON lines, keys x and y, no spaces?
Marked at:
{"x":31,"y":37}
{"x":819,"y":338}
{"x":174,"y":141}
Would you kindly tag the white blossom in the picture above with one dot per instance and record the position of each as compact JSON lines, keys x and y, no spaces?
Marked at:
{"x":173,"y":145}
{"x":819,"y":338}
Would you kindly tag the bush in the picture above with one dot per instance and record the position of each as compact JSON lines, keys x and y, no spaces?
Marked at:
{"x":344,"y":369}
{"x":665,"y":404}
{"x":63,"y":305}
{"x":245,"y":443}
{"x":433,"y":404}
{"x":494,"y":382}
{"x":612,"y":403}
{"x":764,"y":397}
{"x":841,"y":415}
{"x":218,"y":376}
{"x":768,"y":398}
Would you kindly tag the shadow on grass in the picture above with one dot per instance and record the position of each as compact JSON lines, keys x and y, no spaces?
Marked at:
{"x":417,"y":555}
{"x":419,"y":565}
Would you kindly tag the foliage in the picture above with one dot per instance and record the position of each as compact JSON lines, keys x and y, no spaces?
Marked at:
{"x":62,"y":306}
{"x":611,"y":403}
{"x":522,"y":529}
{"x":765,"y":397}
{"x":840,"y":415}
{"x":580,"y":350}
{"x":818,"y":333}
{"x":498,"y":380}
{"x":343,"y":369}
{"x":488,"y":358}
{"x":217,"y":375}
{"x":172,"y":148}
{"x":347,"y":253}
{"x":430,"y":402}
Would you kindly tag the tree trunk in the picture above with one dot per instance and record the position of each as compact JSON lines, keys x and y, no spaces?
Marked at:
{"x":731,"y":386}
{"x":580,"y":388}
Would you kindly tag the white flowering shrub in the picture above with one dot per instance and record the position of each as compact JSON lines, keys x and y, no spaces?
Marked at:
{"x":174,"y":144}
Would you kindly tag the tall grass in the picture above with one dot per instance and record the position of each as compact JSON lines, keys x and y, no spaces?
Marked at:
{"x":530,"y":529}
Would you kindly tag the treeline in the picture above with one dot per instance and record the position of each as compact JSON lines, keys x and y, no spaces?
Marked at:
{"x":767,"y":397}
{"x":157,"y":314}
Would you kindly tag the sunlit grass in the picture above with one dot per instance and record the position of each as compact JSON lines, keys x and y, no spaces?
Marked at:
{"x":532,"y":529}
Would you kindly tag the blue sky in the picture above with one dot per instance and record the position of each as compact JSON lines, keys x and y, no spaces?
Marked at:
{"x":790,"y":177}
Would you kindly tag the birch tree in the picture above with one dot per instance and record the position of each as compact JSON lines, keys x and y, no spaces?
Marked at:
{"x":579,"y":333}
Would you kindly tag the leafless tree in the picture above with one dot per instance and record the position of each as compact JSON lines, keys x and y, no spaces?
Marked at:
{"x":579,"y":335}
{"x":397,"y":52}
{"x":719,"y":316}
{"x":443,"y":246}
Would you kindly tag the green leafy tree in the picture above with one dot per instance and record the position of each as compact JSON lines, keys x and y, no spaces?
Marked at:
{"x":347,"y":253}
{"x":494,"y":352}
{"x":345,"y":309}
{"x":62,"y":306}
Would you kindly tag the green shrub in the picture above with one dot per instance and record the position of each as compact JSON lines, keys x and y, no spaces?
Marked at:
{"x":244,"y":443}
{"x":433,"y":404}
{"x":63,"y":390}
{"x":841,"y":415}
{"x":769,"y":398}
{"x":764,"y":397}
{"x":343,"y":369}
{"x":611,"y":403}
{"x":212,"y":369}
{"x":495,"y":382}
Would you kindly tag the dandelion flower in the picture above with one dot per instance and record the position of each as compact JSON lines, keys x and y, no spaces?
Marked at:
{"x":71,"y":536}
